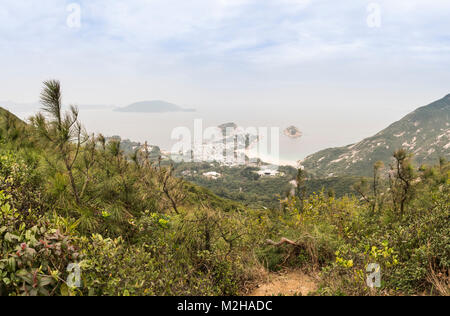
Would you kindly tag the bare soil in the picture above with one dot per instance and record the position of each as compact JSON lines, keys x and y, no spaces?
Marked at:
{"x":287,"y":283}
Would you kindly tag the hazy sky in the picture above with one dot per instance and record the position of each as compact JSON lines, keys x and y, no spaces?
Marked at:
{"x":304,"y":57}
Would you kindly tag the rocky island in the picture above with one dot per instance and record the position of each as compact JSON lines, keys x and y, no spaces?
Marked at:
{"x":293,"y":132}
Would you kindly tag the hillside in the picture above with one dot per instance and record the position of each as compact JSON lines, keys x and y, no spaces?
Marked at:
{"x":5,"y":114}
{"x":11,"y":127}
{"x":153,"y":107}
{"x":424,"y":132}
{"x":131,"y":227}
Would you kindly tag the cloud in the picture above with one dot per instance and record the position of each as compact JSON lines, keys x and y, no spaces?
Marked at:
{"x":234,"y":28}
{"x":221,"y":39}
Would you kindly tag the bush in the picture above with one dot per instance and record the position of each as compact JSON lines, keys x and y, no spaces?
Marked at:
{"x":34,"y":254}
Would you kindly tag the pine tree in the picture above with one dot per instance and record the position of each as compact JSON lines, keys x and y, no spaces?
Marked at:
{"x":61,"y":130}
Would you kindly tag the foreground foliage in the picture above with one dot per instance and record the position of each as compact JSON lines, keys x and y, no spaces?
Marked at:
{"x":69,"y":201}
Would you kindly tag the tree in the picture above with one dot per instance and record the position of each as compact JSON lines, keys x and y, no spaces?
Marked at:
{"x":61,"y":130}
{"x":172,"y":187}
{"x":401,"y":179}
{"x":377,"y":167}
{"x":88,"y":162}
{"x":371,"y":195}
{"x":442,"y":163}
{"x":363,"y":188}
{"x":300,"y":189}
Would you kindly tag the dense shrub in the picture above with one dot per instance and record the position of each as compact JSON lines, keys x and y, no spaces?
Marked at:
{"x":134,"y":228}
{"x":342,"y":237}
{"x":34,"y":253}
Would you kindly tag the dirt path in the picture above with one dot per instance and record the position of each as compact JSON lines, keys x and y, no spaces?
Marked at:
{"x":287,"y":283}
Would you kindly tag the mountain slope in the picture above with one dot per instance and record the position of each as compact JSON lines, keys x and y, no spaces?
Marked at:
{"x":10,"y":123}
{"x":424,"y":132}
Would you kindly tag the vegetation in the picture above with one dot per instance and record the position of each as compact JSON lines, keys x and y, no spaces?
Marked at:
{"x":70,"y":200}
{"x":240,"y":183}
{"x":243,"y":184}
{"x":401,"y":224}
{"x":424,"y":132}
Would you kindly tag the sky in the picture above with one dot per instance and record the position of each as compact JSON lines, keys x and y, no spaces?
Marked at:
{"x":346,"y":61}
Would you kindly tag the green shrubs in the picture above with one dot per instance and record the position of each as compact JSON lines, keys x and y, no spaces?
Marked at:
{"x":341,"y":238}
{"x":128,"y":240}
{"x":134,"y":229}
{"x":34,"y":253}
{"x":174,"y":255}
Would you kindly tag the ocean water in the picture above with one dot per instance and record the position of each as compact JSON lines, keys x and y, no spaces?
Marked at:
{"x":157,"y":128}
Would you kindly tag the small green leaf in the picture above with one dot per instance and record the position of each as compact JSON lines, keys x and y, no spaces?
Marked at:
{"x":64,"y":290}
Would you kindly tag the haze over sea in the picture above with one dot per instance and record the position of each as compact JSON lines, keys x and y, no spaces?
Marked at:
{"x":319,"y":131}
{"x":340,"y":71}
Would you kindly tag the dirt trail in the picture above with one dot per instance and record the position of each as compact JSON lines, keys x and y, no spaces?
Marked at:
{"x":287,"y":283}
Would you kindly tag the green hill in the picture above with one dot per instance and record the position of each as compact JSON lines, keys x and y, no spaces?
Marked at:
{"x":12,"y":128}
{"x":5,"y":115}
{"x":424,"y":132}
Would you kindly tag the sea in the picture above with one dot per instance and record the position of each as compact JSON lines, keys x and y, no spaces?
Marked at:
{"x":158,"y":128}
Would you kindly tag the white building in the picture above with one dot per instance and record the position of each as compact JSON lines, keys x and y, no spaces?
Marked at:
{"x":212,"y":175}
{"x":266,"y":172}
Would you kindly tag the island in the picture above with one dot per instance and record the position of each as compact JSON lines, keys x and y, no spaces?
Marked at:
{"x":293,"y":132}
{"x":155,"y":106}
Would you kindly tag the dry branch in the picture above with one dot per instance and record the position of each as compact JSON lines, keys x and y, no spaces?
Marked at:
{"x":282,"y":241}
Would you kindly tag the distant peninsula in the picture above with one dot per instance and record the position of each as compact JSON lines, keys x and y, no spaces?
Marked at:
{"x":153,"y":107}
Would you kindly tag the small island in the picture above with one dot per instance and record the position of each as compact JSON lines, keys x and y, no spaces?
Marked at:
{"x":156,"y":106}
{"x":226,"y":126}
{"x":293,"y":132}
